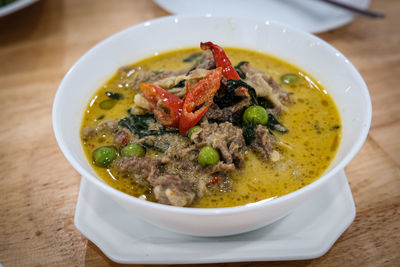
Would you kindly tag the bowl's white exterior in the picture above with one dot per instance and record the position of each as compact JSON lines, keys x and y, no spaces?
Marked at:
{"x":323,"y":62}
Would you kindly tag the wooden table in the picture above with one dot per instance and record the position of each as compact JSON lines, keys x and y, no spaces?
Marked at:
{"x":39,"y":188}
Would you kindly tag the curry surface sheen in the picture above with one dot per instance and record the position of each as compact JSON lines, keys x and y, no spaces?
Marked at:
{"x":306,"y":150}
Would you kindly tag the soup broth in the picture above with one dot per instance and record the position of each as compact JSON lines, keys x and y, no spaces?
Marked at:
{"x":305,"y":150}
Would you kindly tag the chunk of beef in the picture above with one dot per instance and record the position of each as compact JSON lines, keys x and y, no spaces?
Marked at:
{"x":155,"y":76}
{"x":168,"y":188}
{"x":172,"y":190}
{"x":275,"y":111}
{"x":227,"y":113}
{"x":141,"y":168}
{"x":206,"y":61}
{"x":198,"y":73}
{"x":222,"y":167}
{"x":265,"y":86}
{"x":173,"y":146}
{"x":190,"y":78}
{"x":265,"y":142}
{"x":103,"y":127}
{"x":107,"y":126}
{"x":181,"y":158}
{"x":123,"y":136}
{"x":141,"y":105}
{"x":120,"y":135}
{"x":166,"y":78}
{"x":193,"y":76}
{"x":88,"y":132}
{"x":144,"y":76}
{"x":179,"y":147}
{"x":169,"y":82}
{"x":225,"y":137}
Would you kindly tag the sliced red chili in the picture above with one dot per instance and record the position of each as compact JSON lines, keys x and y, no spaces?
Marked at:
{"x":199,"y":99}
{"x":166,"y":106}
{"x":221,"y":60}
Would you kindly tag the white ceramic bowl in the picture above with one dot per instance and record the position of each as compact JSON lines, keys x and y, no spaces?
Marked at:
{"x":323,"y":62}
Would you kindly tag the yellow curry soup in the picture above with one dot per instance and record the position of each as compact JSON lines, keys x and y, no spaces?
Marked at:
{"x":304,"y":152}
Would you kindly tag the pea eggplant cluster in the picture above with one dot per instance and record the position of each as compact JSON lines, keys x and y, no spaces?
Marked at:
{"x":105,"y":155}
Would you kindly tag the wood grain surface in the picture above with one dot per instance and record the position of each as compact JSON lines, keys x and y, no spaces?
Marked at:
{"x":39,"y":188}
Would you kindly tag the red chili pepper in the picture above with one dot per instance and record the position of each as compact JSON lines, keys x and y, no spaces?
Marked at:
{"x":215,"y":180}
{"x":198,"y":100}
{"x":166,"y":106}
{"x":125,"y":140}
{"x":221,"y":60}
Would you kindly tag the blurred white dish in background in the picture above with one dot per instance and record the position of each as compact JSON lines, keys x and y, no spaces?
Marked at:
{"x":15,"y":6}
{"x":308,"y":15}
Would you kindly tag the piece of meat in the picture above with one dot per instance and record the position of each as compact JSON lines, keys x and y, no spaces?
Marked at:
{"x":179,"y":147}
{"x":190,"y":78}
{"x":198,"y":73}
{"x":165,"y":78}
{"x":169,"y":82}
{"x":143,"y":76}
{"x":120,"y":135}
{"x":265,"y":142}
{"x":172,"y":190}
{"x":168,"y":188}
{"x":263,"y":89}
{"x":89,"y":132}
{"x":274,"y":111}
{"x":123,"y":136}
{"x":155,"y":76}
{"x":222,"y":167}
{"x":141,"y":102}
{"x":225,"y":137}
{"x":107,"y":126}
{"x":227,"y":113}
{"x":265,"y":86}
{"x":206,"y":61}
{"x":173,"y":146}
{"x":138,"y":167}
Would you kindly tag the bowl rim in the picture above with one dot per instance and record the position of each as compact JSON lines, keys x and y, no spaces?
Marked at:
{"x":206,"y":211}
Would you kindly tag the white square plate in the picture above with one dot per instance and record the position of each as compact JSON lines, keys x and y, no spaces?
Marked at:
{"x":312,"y":16}
{"x":308,"y":232}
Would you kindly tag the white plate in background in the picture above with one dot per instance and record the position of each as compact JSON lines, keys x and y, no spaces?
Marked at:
{"x":308,"y":232}
{"x":15,"y":6}
{"x":309,"y":15}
